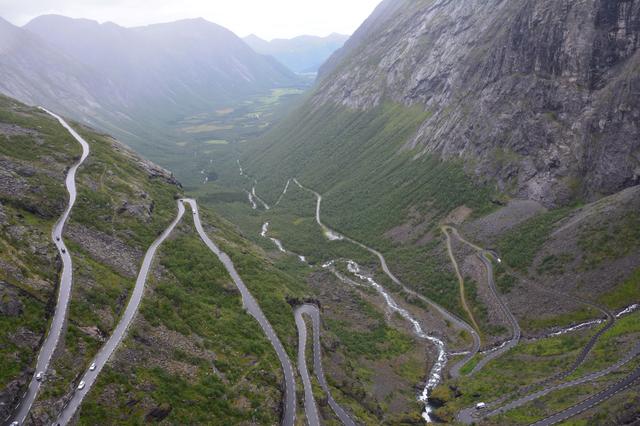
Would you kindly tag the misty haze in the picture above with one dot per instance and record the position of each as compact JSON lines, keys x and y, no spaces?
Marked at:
{"x":295,"y":212}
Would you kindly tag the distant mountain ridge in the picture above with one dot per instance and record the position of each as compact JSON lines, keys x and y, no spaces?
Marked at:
{"x":302,"y":54}
{"x":130,"y":80}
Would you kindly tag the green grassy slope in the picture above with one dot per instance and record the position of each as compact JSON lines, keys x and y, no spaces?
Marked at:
{"x":191,"y":309}
{"x":370,"y":184}
{"x":34,"y":151}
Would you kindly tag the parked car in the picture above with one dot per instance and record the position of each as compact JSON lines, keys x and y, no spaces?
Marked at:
{"x":481,"y":406}
{"x":81,"y":385}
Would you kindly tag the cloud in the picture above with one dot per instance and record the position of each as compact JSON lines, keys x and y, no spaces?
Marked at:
{"x":266,"y":18}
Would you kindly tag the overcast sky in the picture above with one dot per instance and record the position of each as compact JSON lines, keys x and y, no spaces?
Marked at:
{"x":267,"y":18}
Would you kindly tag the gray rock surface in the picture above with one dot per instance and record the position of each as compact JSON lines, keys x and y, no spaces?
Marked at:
{"x":10,"y":304}
{"x":541,"y":96}
{"x":106,"y":249}
{"x":3,"y":215}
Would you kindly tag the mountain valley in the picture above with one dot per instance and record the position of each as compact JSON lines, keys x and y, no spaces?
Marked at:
{"x":443,"y":227}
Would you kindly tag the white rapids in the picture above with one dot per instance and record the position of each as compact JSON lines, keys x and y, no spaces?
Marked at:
{"x":435,"y":375}
{"x":278,"y":243}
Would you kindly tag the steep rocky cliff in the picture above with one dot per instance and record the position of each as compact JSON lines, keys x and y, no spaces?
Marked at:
{"x":541,"y":96}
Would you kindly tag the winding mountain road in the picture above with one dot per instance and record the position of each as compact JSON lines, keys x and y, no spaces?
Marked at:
{"x":469,"y":415}
{"x":66,"y":282}
{"x":314,"y":313}
{"x":463,"y":298}
{"x":592,"y":401}
{"x":516,"y":331}
{"x":119,"y":333}
{"x":310,"y":407}
{"x":456,"y":321}
{"x":254,"y":310}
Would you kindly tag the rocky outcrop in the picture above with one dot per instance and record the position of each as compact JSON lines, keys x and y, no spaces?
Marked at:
{"x":3,"y":216}
{"x":540,"y":96}
{"x":106,"y":249}
{"x":10,"y":304}
{"x":153,"y":170}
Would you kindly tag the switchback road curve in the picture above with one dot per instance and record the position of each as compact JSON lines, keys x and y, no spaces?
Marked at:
{"x":459,"y":323}
{"x":66,"y":282}
{"x":119,"y":333}
{"x":253,"y":308}
{"x":313,"y":312}
{"x":516,"y":331}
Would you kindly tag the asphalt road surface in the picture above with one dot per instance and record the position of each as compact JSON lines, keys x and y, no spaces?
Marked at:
{"x":516,"y":332}
{"x":314,"y":313}
{"x":66,"y":282}
{"x":470,"y":415}
{"x":253,"y":308}
{"x":310,"y":407}
{"x":119,"y":333}
{"x":592,"y":401}
{"x":455,"y":320}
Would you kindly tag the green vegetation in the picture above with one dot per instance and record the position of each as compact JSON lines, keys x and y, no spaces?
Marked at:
{"x":609,"y":412}
{"x":504,"y":281}
{"x":110,"y":180}
{"x":205,"y":137}
{"x":609,"y":241}
{"x":121,"y":182}
{"x":355,"y":159}
{"x":378,"y":342}
{"x":202,"y":310}
{"x":527,"y":363}
{"x":469,"y":366}
{"x":520,"y":244}
{"x":613,"y":344}
{"x":34,"y":150}
{"x":15,"y":354}
{"x":554,"y":264}
{"x":582,"y":314}
{"x":626,"y":293}
{"x":480,"y":310}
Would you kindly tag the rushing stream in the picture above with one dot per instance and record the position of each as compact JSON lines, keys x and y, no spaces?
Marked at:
{"x":435,"y":375}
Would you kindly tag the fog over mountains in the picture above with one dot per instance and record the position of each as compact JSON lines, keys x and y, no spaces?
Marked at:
{"x":303,"y":54}
{"x":121,"y":78}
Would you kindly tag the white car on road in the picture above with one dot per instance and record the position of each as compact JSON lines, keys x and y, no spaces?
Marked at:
{"x":81,"y":385}
{"x":92,"y":366}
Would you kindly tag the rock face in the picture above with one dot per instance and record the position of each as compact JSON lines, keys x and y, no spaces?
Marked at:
{"x":10,"y":304}
{"x":541,"y":96}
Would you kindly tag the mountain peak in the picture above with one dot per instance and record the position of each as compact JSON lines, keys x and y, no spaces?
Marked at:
{"x":304,"y":53}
